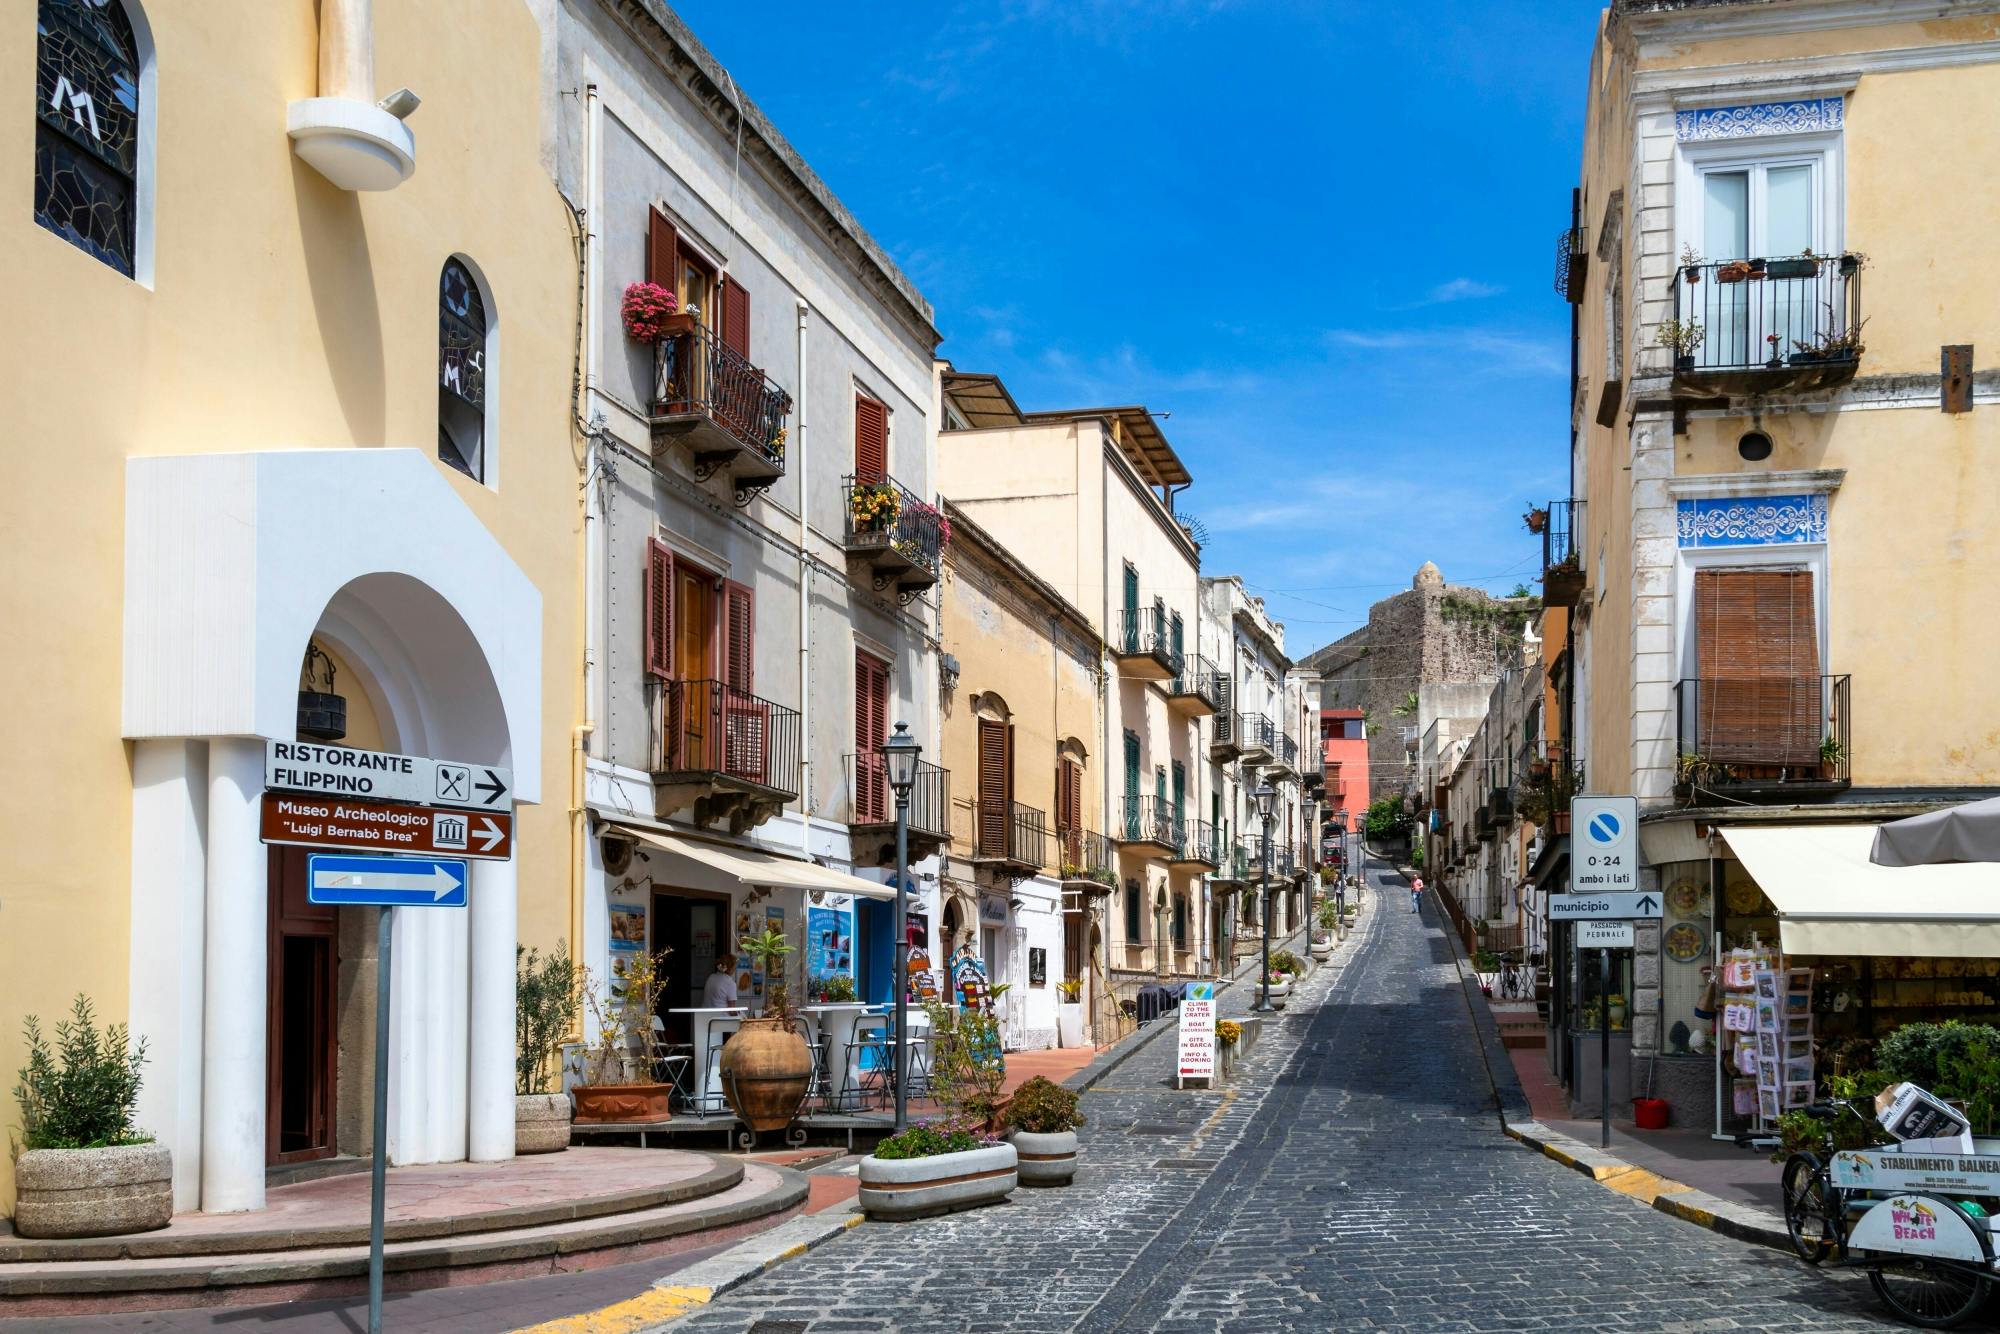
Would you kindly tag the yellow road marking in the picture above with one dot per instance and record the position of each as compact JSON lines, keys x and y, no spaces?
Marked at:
{"x":648,"y":1308}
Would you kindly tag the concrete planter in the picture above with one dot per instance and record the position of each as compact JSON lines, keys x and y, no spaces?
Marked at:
{"x":1046,"y":1160}
{"x":1069,"y":1024}
{"x":1279,"y":993}
{"x":900,"y":1188}
{"x":1225,"y":1058}
{"x":1322,"y":949}
{"x":541,"y":1123}
{"x":93,"y":1192}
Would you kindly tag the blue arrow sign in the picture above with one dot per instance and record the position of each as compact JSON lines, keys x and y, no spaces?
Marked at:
{"x":386,"y":882}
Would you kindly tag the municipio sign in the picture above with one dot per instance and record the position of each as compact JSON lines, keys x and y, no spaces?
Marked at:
{"x":1602,"y":907}
{"x":385,"y":826}
{"x":377,"y":775}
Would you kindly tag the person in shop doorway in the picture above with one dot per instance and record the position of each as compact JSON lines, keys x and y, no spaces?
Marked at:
{"x":1417,"y":894}
{"x":721,"y":989}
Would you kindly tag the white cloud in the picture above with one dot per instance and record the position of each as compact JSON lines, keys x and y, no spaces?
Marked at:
{"x":1500,"y":349}
{"x":1461,"y":289}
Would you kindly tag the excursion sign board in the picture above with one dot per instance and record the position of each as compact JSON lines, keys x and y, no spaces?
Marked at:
{"x":1197,"y":1035}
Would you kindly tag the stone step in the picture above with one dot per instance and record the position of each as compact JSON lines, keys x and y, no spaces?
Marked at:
{"x":41,"y":1288}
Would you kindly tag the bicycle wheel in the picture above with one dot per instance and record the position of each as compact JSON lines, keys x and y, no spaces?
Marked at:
{"x":1930,"y":1293}
{"x":1809,"y":1206}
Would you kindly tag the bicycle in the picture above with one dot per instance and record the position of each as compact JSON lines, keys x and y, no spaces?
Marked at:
{"x":1924,"y":1285}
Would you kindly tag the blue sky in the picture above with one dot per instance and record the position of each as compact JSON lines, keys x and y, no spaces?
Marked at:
{"x":1320,"y":235}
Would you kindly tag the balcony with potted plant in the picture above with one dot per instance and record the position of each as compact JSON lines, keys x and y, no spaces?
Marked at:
{"x":1747,"y":327}
{"x":729,"y":755}
{"x":1771,"y":738}
{"x":1197,"y":689}
{"x":898,"y":537}
{"x":1561,"y":531}
{"x":1089,"y":865}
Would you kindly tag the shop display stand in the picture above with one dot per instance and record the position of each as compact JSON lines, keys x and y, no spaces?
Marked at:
{"x":1784,"y":1037}
{"x":1740,"y":1019}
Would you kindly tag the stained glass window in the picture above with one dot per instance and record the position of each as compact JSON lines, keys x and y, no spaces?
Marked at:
{"x":87,"y":126}
{"x":461,"y":372}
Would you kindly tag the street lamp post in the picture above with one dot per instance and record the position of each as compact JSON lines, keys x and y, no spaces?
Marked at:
{"x":1264,"y":796}
{"x":899,"y":756}
{"x":1311,"y":853}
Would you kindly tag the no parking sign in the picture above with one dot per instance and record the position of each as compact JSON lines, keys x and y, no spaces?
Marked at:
{"x":1604,"y":851}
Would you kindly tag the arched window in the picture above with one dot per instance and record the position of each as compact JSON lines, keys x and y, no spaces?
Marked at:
{"x":462,"y":363}
{"x":87,"y":127}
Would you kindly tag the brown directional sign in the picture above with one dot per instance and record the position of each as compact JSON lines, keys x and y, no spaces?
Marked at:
{"x":386,"y":826}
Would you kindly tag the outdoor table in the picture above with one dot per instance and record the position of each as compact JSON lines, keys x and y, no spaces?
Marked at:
{"x":837,"y":1021}
{"x":708,"y":1080}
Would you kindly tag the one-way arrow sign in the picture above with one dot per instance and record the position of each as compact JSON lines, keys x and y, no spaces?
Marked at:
{"x":492,"y":788}
{"x":387,"y":882}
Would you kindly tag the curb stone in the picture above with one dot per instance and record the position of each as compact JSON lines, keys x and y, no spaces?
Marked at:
{"x":1744,"y":1222}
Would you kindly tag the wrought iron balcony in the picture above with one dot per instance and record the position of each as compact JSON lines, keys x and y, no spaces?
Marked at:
{"x":1772,"y":738}
{"x":1225,"y":736}
{"x":1146,"y":824}
{"x":1010,"y":837}
{"x":1572,"y":263}
{"x":871,"y":804}
{"x":1197,"y":689}
{"x":899,"y":535}
{"x":1195,"y":845}
{"x":1144,"y":648}
{"x":1562,"y":553}
{"x":1501,"y":802}
{"x":1284,"y":761}
{"x":1762,"y":326}
{"x":723,"y":751}
{"x":1088,"y":861}
{"x":1257,"y":739}
{"x":1236,"y":865}
{"x":1482,"y":823}
{"x":727,"y":411}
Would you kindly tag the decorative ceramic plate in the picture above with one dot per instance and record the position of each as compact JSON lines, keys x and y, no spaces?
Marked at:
{"x":1684,"y":942}
{"x":1685,"y":896}
{"x":1743,"y":897}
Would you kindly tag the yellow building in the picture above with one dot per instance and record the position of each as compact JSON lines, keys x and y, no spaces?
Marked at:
{"x":287,"y":373}
{"x":1028,"y":869}
{"x":1777,"y":546}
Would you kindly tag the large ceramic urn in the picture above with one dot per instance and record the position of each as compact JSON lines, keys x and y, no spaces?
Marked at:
{"x":766,"y":1068}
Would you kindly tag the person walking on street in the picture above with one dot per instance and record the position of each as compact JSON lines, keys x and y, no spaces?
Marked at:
{"x":1417,"y":894}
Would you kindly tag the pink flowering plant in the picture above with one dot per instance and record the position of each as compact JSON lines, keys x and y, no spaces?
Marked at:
{"x":645,"y":309}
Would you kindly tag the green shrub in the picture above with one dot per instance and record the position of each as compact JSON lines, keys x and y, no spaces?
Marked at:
{"x":1919,"y":1052}
{"x":928,"y":1139}
{"x":1485,"y":961}
{"x":1284,"y":961}
{"x":1043,"y":1108}
{"x":545,"y":996}
{"x":81,"y":1093}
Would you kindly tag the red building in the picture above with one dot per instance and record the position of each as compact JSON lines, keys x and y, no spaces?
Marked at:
{"x":1343,"y":744}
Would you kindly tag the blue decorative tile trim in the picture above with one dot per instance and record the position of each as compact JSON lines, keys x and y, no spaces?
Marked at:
{"x":1744,"y":122}
{"x":1750,"y":521}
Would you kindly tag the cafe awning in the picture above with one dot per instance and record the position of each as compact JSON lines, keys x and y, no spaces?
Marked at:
{"x":1831,"y":899}
{"x":698,"y":864}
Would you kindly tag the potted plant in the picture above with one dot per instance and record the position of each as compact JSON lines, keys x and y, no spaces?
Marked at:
{"x":956,"y":1162}
{"x":1042,"y":1118}
{"x":766,"y":1066}
{"x":1277,"y":989}
{"x":1683,"y":337}
{"x":1691,"y":772}
{"x":1069,"y":1012}
{"x":617,"y":1082}
{"x":1831,"y":756}
{"x":1227,"y":1034}
{"x":873,"y":506}
{"x":835,"y":990}
{"x":1805,"y":266}
{"x":544,"y":1008}
{"x":647,"y":310}
{"x":1829,"y":346}
{"x":84,"y":1169}
{"x":1288,"y":963}
{"x":1537,"y":518}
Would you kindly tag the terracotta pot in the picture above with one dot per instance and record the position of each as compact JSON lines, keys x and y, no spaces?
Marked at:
{"x":766,"y":1067}
{"x":598,"y":1103}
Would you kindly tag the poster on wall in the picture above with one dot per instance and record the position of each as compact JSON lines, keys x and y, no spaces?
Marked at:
{"x":774,"y":920}
{"x":1038,"y":966}
{"x":829,"y":948}
{"x":628,"y":928}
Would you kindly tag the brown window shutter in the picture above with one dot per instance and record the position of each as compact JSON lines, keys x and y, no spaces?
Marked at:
{"x":739,"y":628}
{"x":1757,"y":650}
{"x":663,"y":256}
{"x":736,"y":317}
{"x":871,"y":727}
{"x":992,"y":823}
{"x":871,"y":437}
{"x":659,"y":609}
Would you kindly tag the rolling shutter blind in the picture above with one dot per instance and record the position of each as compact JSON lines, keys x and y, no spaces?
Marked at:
{"x":736,"y":317}
{"x":663,"y":258}
{"x":993,"y":769}
{"x":1757,"y":650}
{"x":871,"y":725}
{"x":659,"y":609}
{"x":871,"y":438}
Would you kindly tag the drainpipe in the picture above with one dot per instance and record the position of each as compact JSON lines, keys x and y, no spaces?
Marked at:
{"x":802,"y":457}
{"x":346,"y":50}
{"x":1104,"y":679}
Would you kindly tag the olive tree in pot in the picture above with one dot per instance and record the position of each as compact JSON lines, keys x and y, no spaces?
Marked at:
{"x":545,"y":994}
{"x":82,"y":1169}
{"x":618,"y":1083}
{"x":1042,"y":1118}
{"x":766,"y":1065}
{"x":956,"y":1162}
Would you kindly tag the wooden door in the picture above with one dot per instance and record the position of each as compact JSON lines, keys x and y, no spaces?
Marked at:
{"x":304,"y":966}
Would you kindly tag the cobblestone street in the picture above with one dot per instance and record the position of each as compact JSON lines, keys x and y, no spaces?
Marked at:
{"x":1352,"y":1177}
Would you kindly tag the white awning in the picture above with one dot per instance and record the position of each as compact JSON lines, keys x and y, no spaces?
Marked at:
{"x":1831,"y":899}
{"x":700,"y":865}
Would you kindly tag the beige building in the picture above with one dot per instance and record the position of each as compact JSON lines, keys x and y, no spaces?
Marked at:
{"x":1776,"y":542}
{"x":302,"y":397}
{"x":1028,"y":870}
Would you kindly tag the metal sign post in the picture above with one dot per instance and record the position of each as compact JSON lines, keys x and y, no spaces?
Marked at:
{"x":378,"y":1169}
{"x":1603,"y":1047}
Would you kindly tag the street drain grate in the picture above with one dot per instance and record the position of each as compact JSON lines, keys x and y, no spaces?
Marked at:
{"x":779,"y":1327}
{"x":1189,"y":1164}
{"x":1145,"y":1128}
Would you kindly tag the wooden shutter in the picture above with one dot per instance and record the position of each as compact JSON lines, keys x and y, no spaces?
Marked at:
{"x":871,"y":438}
{"x":746,"y":719}
{"x":739,"y":629}
{"x":663,"y":254}
{"x":659,"y":609}
{"x":736,"y":316}
{"x":1757,"y":650}
{"x":871,"y":725}
{"x":993,"y":767}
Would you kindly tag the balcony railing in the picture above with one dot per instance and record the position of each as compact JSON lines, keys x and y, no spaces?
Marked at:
{"x":1196,"y":844}
{"x":1761,"y":325}
{"x":872,"y":805}
{"x":899,"y":534}
{"x":1256,"y":738}
{"x":1285,"y":752}
{"x":1197,"y":689}
{"x":1775,"y":736}
{"x":1146,"y":821}
{"x":1225,"y":736}
{"x":1087,"y":855}
{"x":1235,"y":864}
{"x":1562,"y":553}
{"x":1145,"y":646}
{"x":1010,"y":835}
{"x":715,"y":733}
{"x":1572,"y":263}
{"x":730,"y":413}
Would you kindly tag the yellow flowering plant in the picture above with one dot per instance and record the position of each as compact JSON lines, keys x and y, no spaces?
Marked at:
{"x":874,"y":505}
